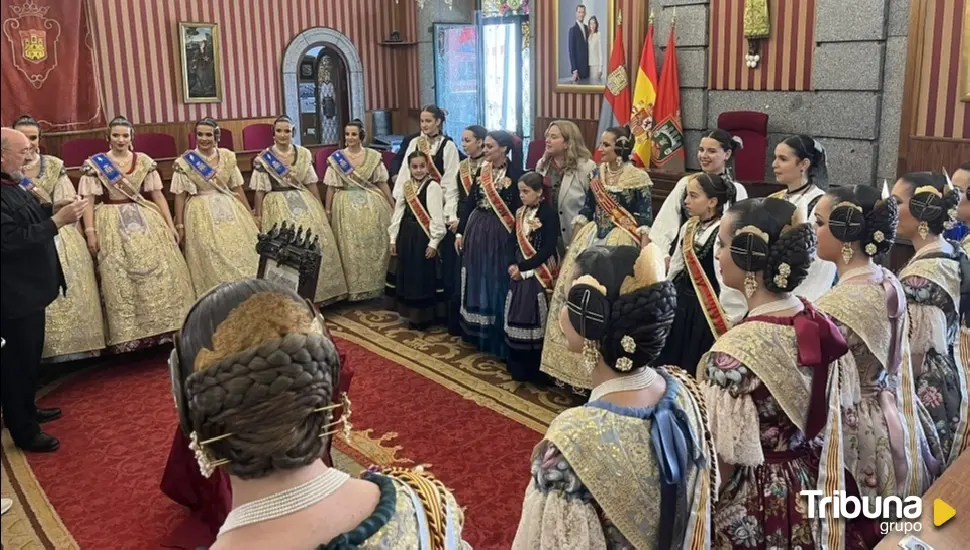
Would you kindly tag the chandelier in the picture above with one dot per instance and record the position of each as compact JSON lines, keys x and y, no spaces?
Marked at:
{"x":422,"y":2}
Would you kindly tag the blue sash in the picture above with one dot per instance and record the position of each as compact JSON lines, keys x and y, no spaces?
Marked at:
{"x":342,"y":162}
{"x":273,"y":162}
{"x":107,"y":168}
{"x":199,"y":164}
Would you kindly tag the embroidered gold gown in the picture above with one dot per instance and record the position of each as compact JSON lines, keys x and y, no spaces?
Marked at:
{"x":220,"y":233}
{"x":884,"y":441}
{"x":631,"y":188}
{"x":145,"y":282}
{"x":291,"y":201}
{"x":597,"y":478}
{"x":360,"y":216}
{"x":65,"y":338}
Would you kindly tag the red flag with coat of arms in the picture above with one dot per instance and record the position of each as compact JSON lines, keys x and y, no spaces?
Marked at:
{"x":668,"y":131}
{"x":616,"y":95}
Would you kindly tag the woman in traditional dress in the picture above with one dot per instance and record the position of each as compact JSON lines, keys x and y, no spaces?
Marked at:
{"x":771,"y":387}
{"x":266,"y":421}
{"x":883,"y":440}
{"x":359,"y":207}
{"x":617,"y":211}
{"x":65,"y":339}
{"x":961,"y":180}
{"x":413,"y":285}
{"x":212,"y":213}
{"x":933,"y":281}
{"x":706,"y":307}
{"x":569,"y":166}
{"x":533,"y":267}
{"x":483,"y":241}
{"x":145,"y":283}
{"x":657,"y":492}
{"x":799,"y":164}
{"x":473,"y":142}
{"x":286,"y":192}
{"x":715,"y":155}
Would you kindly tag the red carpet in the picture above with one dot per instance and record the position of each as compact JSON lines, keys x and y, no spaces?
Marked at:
{"x":117,"y":429}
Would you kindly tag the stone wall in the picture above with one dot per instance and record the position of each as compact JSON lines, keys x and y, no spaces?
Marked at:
{"x":854,"y":108}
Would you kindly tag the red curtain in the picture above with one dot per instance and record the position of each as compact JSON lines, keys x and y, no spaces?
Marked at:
{"x":48,"y":68}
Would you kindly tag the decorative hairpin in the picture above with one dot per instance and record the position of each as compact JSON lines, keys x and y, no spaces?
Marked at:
{"x":871,"y":249}
{"x":628,"y":344}
{"x":879,"y":236}
{"x":343,"y":421}
{"x":590,"y":281}
{"x":754,"y":230}
{"x":928,"y":189}
{"x":207,"y":465}
{"x":781,"y":279}
{"x":885,"y":189}
{"x":624,"y":364}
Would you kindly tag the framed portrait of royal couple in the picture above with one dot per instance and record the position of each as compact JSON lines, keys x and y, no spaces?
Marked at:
{"x":584,"y":36}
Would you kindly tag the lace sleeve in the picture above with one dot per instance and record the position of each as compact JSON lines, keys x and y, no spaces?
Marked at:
{"x":558,"y":511}
{"x":727,"y":387}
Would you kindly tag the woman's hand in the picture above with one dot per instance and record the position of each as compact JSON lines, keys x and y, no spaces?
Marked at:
{"x":93,"y":245}
{"x":515,"y":273}
{"x":644,"y":240}
{"x":430,"y":253}
{"x":176,"y":235}
{"x":459,"y":244}
{"x":180,"y":232}
{"x":453,"y":226}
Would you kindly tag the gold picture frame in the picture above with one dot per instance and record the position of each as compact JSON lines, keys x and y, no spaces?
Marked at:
{"x":200,"y":53}
{"x":965,"y":56}
{"x":564,"y":18}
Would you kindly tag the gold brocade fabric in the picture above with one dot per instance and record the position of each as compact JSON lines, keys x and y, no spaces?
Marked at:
{"x":360,"y":218}
{"x":614,"y":457}
{"x":945,"y":274}
{"x":220,"y":233}
{"x":298,"y":206}
{"x":75,"y":323}
{"x":557,"y":361}
{"x":407,"y":528}
{"x":145,"y":282}
{"x":757,"y":24}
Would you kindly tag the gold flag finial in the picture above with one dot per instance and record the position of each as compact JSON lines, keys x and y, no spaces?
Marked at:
{"x":653,"y":17}
{"x":619,"y":16}
{"x":673,"y":18}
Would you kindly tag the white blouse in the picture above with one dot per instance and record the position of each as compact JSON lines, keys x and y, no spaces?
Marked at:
{"x":434,"y":207}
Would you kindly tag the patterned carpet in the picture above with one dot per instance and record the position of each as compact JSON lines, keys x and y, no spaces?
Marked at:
{"x":419,"y":398}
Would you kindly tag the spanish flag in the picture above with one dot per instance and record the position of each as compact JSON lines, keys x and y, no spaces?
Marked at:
{"x":644,"y":98}
{"x":668,"y":132}
{"x":616,"y":96}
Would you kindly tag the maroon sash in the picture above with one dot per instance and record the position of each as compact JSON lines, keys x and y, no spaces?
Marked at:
{"x":546,"y":272}
{"x":621,"y":217}
{"x":465,"y":175}
{"x":487,"y":178}
{"x":411,"y":190}
{"x":424,"y":145}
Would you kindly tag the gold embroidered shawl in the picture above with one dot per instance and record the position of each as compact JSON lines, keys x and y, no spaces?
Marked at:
{"x":48,"y":177}
{"x":943,"y":273}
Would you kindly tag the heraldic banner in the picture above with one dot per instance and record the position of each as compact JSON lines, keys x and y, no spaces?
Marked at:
{"x":48,"y":68}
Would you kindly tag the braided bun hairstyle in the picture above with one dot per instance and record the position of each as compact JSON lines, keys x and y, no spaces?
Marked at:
{"x":933,"y":201}
{"x":622,"y":303}
{"x":624,"y":141}
{"x":718,"y":187}
{"x":807,"y":147}
{"x":256,"y":364}
{"x":770,"y":233}
{"x":860,"y":215}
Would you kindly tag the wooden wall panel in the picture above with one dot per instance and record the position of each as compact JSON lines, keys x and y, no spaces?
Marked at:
{"x":786,"y":56}
{"x":930,"y":153}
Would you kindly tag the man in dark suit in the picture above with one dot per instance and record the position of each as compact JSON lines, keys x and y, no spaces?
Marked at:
{"x":30,"y":277}
{"x":579,"y":46}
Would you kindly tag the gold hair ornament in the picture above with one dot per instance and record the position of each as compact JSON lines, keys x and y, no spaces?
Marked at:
{"x":753,"y":230}
{"x":928,"y":189}
{"x":649,"y":269}
{"x":871,"y":249}
{"x":750,"y":284}
{"x":591,"y":281}
{"x":628,"y":344}
{"x":781,"y":279}
{"x":879,"y":236}
{"x":624,"y":364}
{"x":846,"y":253}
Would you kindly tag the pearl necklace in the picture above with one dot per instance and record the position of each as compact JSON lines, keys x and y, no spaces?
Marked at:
{"x":286,"y":501}
{"x":630,"y":382}
{"x":790,"y":302}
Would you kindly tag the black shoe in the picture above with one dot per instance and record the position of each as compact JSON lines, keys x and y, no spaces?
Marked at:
{"x":47,"y":415}
{"x":41,"y":443}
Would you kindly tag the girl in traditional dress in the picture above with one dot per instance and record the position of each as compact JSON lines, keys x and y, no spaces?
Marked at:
{"x":883,"y":439}
{"x":145,"y":282}
{"x":473,"y":142}
{"x":533,"y":268}
{"x":569,"y":166}
{"x":800,"y":165}
{"x":933,"y":280}
{"x":286,"y":192}
{"x":413,"y":284}
{"x":634,"y":467}
{"x":771,"y":387}
{"x":212,"y":213}
{"x":359,"y":207}
{"x":715,"y":155}
{"x":706,"y":308}
{"x":255,"y":378}
{"x":65,"y":339}
{"x":617,"y":211}
{"x":483,"y":240}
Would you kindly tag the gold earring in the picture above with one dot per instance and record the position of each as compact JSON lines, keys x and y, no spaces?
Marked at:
{"x":750,"y":284}
{"x":923,"y":230}
{"x":590,"y":355}
{"x":846,"y":253}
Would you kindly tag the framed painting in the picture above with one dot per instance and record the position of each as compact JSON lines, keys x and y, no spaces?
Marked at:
{"x":965,"y":56}
{"x":199,"y":51}
{"x":584,"y":36}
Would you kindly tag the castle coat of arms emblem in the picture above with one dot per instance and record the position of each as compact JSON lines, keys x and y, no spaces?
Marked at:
{"x":33,"y":41}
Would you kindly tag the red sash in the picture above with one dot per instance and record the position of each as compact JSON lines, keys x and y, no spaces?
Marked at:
{"x":411,"y":190}
{"x":465,"y":175}
{"x":620,"y":216}
{"x":710,"y":302}
{"x":424,"y":145}
{"x":501,"y":209}
{"x":546,"y":272}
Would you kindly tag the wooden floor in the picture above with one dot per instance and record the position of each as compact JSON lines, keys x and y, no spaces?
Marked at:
{"x":954,"y":489}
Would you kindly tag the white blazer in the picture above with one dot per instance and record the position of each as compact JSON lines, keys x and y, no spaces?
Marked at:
{"x":572,"y":193}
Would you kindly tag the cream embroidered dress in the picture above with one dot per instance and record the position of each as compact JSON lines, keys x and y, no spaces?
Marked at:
{"x":66,"y":338}
{"x":288,"y":199}
{"x":360,"y":216}
{"x":145,"y":282}
{"x":220,"y":233}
